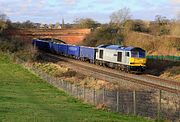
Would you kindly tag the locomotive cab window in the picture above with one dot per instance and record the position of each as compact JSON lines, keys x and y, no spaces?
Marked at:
{"x":127,"y":54}
{"x":135,"y":54}
{"x":119,"y":57}
{"x":138,"y":53}
{"x":101,"y":54}
{"x":142,"y":54}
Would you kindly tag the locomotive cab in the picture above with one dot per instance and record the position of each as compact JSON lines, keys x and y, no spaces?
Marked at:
{"x":137,"y":59}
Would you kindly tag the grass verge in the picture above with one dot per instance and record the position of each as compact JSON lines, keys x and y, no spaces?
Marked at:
{"x":26,"y":97}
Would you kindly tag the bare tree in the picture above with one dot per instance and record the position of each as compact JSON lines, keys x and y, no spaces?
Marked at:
{"x":120,"y":17}
{"x":27,"y":24}
{"x":161,"y":20}
{"x":86,"y":23}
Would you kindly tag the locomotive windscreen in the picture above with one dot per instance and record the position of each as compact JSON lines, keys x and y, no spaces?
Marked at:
{"x":138,"y":53}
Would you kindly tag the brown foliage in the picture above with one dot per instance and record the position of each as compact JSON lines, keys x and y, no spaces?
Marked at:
{"x":175,"y":29}
{"x":154,"y":45}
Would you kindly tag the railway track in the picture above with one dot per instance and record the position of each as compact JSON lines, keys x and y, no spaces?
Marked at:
{"x":150,"y":81}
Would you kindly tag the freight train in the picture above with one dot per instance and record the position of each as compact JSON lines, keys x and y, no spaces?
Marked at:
{"x":114,"y":56}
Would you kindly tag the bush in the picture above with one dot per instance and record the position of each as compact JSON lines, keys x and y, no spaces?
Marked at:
{"x":154,"y":45}
{"x":86,"y":23}
{"x":19,"y":47}
{"x":106,"y":34}
{"x":11,"y":45}
{"x":175,"y":29}
{"x":161,"y":26}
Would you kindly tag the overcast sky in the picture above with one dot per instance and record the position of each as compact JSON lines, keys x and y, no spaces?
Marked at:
{"x":51,"y":11}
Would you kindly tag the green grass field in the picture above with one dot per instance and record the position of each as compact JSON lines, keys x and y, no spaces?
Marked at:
{"x":26,"y":97}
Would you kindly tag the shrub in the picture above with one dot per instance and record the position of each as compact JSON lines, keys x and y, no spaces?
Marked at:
{"x":106,"y":34}
{"x":19,"y":47}
{"x":154,"y":45}
{"x":175,"y":29}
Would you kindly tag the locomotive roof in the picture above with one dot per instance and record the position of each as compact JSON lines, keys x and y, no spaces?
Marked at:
{"x":118,"y":47}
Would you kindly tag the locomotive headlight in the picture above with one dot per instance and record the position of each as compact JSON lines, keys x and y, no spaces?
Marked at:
{"x":144,"y":61}
{"x":132,"y":60}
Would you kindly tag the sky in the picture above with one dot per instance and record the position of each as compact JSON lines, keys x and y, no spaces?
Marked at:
{"x":52,"y":11}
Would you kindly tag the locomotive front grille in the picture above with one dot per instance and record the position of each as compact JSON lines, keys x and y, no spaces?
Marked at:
{"x":137,"y":61}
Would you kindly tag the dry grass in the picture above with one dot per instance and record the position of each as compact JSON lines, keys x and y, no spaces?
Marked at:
{"x":74,"y":77}
{"x":172,"y":73}
{"x":51,"y":68}
{"x":175,"y":29}
{"x":154,"y":45}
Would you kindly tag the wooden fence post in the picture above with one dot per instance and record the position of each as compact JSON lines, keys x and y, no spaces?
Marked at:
{"x":159,"y":105}
{"x":71,"y":88}
{"x":77,"y":91}
{"x":66,"y":86}
{"x":62,"y":84}
{"x":103,"y":95}
{"x":84,"y":97}
{"x":117,"y":101}
{"x":94,"y":97}
{"x":134,"y":102}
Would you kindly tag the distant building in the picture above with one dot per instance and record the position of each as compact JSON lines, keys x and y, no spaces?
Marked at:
{"x":42,"y":25}
{"x":37,"y":25}
{"x":58,"y":26}
{"x":45,"y":26}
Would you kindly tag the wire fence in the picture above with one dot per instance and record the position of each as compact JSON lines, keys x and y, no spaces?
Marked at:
{"x":151,"y":103}
{"x":169,"y":58}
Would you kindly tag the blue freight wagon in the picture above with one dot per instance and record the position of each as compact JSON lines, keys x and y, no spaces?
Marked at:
{"x":87,"y":54}
{"x":54,"y":47}
{"x":74,"y":51}
{"x":63,"y":49}
{"x":42,"y":45}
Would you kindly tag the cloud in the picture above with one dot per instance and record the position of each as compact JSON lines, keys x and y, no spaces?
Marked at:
{"x":100,"y":10}
{"x":71,"y":2}
{"x":176,"y":1}
{"x":176,"y":6}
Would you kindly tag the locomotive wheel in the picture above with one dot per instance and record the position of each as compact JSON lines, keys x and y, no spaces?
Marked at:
{"x":116,"y":67}
{"x":103,"y":64}
{"x":97,"y":62}
{"x":127,"y":69}
{"x":100,"y":63}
